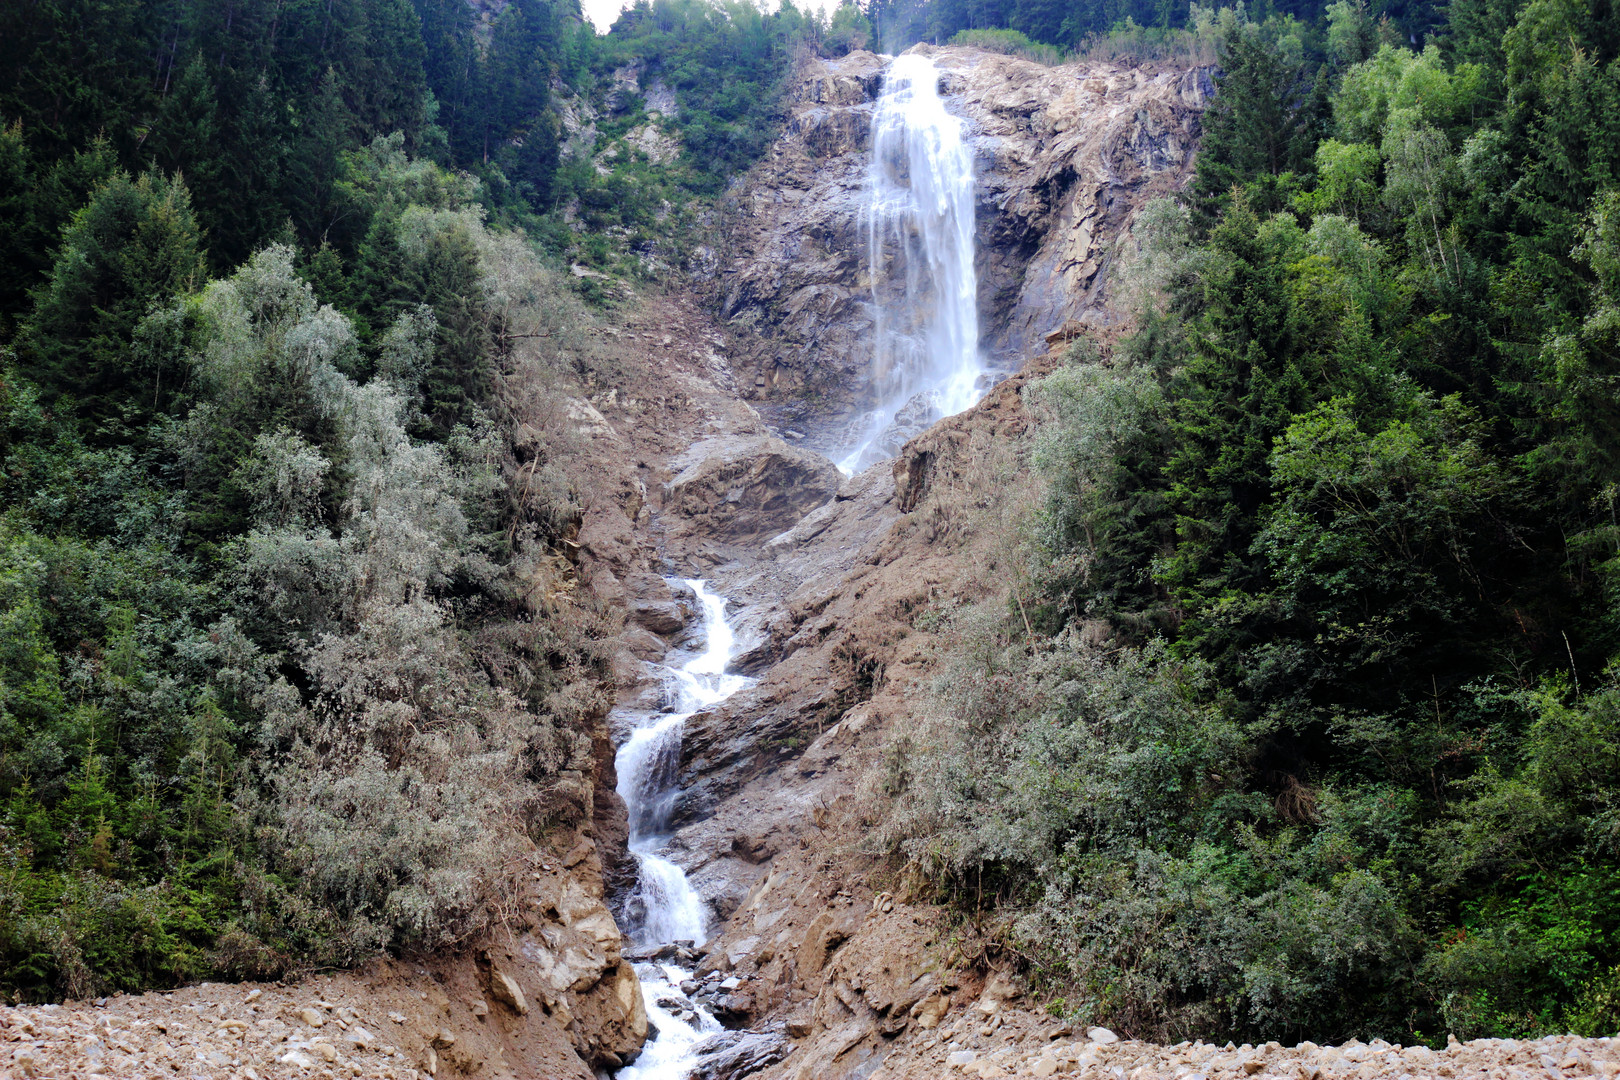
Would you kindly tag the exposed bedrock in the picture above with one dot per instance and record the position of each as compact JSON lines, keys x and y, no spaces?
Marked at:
{"x":1064,"y":158}
{"x":740,"y":487}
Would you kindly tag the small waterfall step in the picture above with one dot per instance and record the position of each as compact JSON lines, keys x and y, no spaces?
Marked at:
{"x":667,"y":919}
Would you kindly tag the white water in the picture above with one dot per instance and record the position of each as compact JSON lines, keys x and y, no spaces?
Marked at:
{"x":665,"y":907}
{"x":925,"y":361}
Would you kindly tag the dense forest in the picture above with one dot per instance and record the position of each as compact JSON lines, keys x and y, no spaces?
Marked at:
{"x":1306,"y":722}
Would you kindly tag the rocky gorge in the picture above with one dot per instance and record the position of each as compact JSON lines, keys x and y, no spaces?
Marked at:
{"x":822,"y":962}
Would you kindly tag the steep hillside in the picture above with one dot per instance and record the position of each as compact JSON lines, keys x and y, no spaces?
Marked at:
{"x":1226,"y":671}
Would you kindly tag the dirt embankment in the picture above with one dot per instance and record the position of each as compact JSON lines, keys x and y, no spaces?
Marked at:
{"x":541,"y":998}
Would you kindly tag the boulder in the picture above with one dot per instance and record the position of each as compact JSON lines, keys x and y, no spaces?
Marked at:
{"x":743,"y":486}
{"x":660,"y":616}
{"x":732,"y":1055}
{"x":505,"y":989}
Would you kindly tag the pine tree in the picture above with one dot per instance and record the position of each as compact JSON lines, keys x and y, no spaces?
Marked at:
{"x":326,"y":128}
{"x":449,"y":279}
{"x":18,"y":269}
{"x":185,"y":137}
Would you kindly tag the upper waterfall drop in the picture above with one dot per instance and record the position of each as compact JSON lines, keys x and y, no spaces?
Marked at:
{"x":920,"y":196}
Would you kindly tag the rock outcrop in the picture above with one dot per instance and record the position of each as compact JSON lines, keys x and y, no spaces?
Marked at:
{"x":1065,"y":156}
{"x":549,"y":995}
{"x":743,"y":487}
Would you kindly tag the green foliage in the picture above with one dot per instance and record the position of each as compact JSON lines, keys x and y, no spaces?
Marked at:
{"x":1262,"y":123}
{"x":135,"y":243}
{"x":727,"y":62}
{"x":1310,"y":725}
{"x":270,"y":692}
{"x":1010,"y":42}
{"x":847,"y":30}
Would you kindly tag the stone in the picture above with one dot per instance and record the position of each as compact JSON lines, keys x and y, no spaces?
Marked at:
{"x":27,"y":1060}
{"x":297,"y":1058}
{"x":326,"y":1050}
{"x":252,"y":996}
{"x":398,"y":1018}
{"x":961,"y":1057}
{"x":311,"y":1017}
{"x":659,"y":616}
{"x":737,"y":487}
{"x":360,"y":1038}
{"x":931,"y":1010}
{"x":504,"y":989}
{"x":480,"y":1008}
{"x":1102,"y":1036}
{"x":1043,"y":1067}
{"x":732,"y":1055}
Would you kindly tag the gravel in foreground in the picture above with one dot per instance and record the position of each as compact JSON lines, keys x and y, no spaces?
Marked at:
{"x":1102,"y":1056}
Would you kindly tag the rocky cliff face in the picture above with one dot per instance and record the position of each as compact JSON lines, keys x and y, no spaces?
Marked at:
{"x":1065,"y":157}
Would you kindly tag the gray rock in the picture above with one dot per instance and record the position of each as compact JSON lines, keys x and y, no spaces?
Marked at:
{"x":732,"y":1055}
{"x":1065,"y":156}
{"x":737,"y":487}
{"x":660,"y":616}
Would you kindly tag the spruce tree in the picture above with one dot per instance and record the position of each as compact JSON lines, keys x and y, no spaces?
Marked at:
{"x":1262,"y":123}
{"x":136,"y":242}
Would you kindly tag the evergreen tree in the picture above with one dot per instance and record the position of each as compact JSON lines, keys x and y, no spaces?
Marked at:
{"x":185,"y":138}
{"x":451,"y":67}
{"x":324,"y":131}
{"x":134,"y":244}
{"x":17,"y":236}
{"x":1262,"y":123}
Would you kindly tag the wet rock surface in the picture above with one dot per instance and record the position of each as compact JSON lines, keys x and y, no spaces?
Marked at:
{"x":1065,"y":156}
{"x":736,"y":1054}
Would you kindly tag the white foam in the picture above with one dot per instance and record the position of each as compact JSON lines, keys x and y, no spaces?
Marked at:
{"x":925,"y":357}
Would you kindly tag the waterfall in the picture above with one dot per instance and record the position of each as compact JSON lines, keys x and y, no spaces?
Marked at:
{"x":925,"y":359}
{"x":664,"y":907}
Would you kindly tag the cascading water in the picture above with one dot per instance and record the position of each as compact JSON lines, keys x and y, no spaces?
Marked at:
{"x":925,"y":362}
{"x":664,"y":907}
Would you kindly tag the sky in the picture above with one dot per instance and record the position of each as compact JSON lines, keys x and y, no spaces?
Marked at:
{"x":603,"y":12}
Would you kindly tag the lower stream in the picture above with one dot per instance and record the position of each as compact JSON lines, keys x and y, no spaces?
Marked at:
{"x":664,"y":909}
